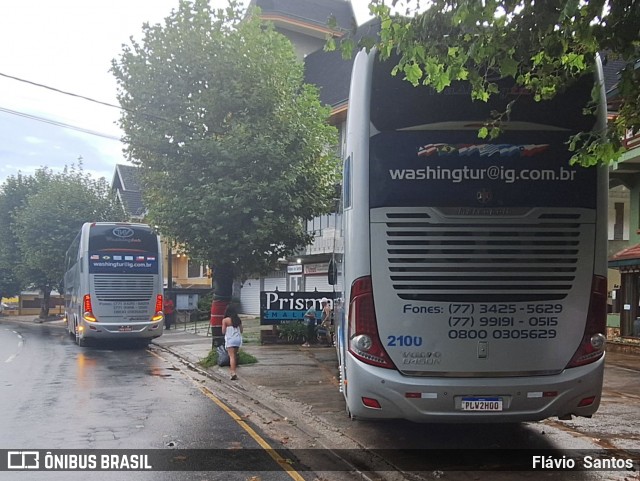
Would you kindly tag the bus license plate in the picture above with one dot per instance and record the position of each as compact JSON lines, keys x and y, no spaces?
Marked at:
{"x":125,"y":329}
{"x":482,"y":404}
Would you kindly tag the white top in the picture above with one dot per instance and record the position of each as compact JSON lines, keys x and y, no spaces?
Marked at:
{"x":232,"y":337}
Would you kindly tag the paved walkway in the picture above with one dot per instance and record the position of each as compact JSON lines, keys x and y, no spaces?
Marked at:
{"x":307,"y":375}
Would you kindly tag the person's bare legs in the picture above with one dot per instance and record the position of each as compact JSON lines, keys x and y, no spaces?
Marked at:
{"x":233,"y":361}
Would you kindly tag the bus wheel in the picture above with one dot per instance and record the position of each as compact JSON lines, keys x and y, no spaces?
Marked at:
{"x":351,"y":416}
{"x":80,"y":341}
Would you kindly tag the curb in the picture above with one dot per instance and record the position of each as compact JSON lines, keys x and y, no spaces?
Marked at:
{"x":623,"y":347}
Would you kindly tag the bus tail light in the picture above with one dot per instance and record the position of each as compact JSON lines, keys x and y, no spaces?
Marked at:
{"x":364,"y":341}
{"x":588,"y":401}
{"x":159,"y":315}
{"x":88,"y":310}
{"x":371,"y":403}
{"x":593,"y":342}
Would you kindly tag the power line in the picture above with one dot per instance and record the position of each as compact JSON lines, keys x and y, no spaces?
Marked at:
{"x":59,"y":124}
{"x":100,"y":102}
{"x":60,"y":91}
{"x":74,"y":127}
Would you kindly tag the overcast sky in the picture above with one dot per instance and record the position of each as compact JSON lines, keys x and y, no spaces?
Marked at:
{"x":68,"y":45}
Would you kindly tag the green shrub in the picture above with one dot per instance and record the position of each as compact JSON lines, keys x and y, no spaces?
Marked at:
{"x":292,"y":331}
{"x":212,"y":358}
{"x":204,"y":302}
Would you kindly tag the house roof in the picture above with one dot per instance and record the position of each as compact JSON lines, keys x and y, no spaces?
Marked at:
{"x":132,"y":203}
{"x":611,"y":70}
{"x":126,"y":177}
{"x":312,"y":13}
{"x":127,"y":186}
{"x":331,"y":73}
{"x":626,"y":257}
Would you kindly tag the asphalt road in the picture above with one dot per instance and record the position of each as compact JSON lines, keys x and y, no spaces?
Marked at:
{"x":56,"y":395}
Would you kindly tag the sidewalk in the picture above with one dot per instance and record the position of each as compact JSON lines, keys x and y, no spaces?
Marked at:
{"x":306,"y":375}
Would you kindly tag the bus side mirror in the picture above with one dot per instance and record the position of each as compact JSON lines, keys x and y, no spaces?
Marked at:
{"x":333,"y":273}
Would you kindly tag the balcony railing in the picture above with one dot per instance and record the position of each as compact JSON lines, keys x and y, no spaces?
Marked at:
{"x":631,"y":141}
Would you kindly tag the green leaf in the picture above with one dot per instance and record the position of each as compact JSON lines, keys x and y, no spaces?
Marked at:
{"x":330,"y":44}
{"x":413,"y":73}
{"x":442,"y":81}
{"x":509,"y":67}
{"x":347,"y":49}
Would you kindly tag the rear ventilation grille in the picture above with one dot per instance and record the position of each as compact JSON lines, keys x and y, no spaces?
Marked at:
{"x":118,"y":287}
{"x":434,"y":260}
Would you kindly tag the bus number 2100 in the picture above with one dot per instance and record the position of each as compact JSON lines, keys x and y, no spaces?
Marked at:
{"x":404,"y":341}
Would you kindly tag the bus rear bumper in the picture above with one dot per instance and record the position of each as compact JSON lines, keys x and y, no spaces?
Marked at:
{"x":122,"y":330}
{"x":574,"y":391}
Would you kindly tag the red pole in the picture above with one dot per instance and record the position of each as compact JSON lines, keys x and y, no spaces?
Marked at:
{"x":218,"y":308}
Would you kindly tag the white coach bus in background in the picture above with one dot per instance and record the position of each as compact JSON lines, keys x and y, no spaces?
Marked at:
{"x":474,"y":269}
{"x":113,"y":283}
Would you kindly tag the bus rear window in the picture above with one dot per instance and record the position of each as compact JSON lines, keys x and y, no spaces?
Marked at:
{"x":396,"y":104}
{"x":122,"y":237}
{"x":122,"y":249}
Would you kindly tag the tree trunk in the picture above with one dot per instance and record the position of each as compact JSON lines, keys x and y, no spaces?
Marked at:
{"x":223,"y":276}
{"x":44,"y":306}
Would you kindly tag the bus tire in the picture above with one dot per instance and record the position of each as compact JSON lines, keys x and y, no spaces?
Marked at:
{"x":351,"y":416}
{"x":80,"y":341}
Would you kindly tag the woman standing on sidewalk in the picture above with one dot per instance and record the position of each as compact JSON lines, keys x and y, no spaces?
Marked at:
{"x":232,"y":331}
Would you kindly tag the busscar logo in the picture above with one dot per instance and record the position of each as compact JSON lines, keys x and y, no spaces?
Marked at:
{"x":23,"y":460}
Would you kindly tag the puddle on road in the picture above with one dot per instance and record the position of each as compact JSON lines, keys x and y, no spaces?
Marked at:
{"x":160,"y":372}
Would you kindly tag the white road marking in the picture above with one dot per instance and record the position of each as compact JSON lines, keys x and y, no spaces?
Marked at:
{"x":20,"y":344}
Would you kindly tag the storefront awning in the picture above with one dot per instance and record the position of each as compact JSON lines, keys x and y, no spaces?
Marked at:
{"x":626,"y":257}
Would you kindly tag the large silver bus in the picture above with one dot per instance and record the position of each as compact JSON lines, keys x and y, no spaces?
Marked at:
{"x":474,"y":270}
{"x":113,"y":283}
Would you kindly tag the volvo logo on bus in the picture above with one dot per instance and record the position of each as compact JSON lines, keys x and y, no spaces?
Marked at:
{"x":123,"y":232}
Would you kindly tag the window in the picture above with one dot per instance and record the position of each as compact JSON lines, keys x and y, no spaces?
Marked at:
{"x":194,"y":269}
{"x":295,"y":283}
{"x":618,"y":226}
{"x":317,"y":225}
{"x":347,"y":183}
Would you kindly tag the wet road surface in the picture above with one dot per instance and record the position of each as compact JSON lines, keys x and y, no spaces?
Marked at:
{"x":56,"y":395}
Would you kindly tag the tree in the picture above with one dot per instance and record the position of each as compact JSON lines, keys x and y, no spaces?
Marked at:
{"x":543,"y":45}
{"x":47,"y":220}
{"x":13,"y":194}
{"x":234,"y":148}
